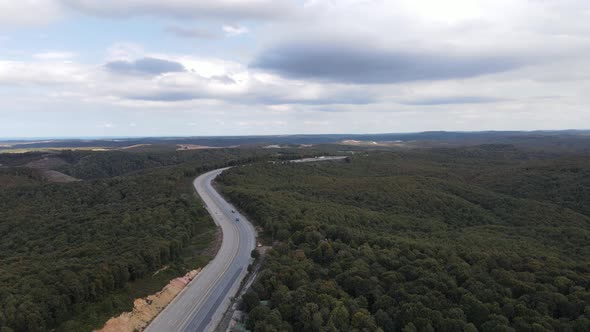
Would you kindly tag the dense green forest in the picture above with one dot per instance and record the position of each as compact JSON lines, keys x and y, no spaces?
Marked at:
{"x":85,"y":165}
{"x":486,"y":238}
{"x":73,"y":254}
{"x":13,"y":177}
{"x":67,"y":245}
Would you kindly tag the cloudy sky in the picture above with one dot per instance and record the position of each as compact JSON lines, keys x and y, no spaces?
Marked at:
{"x":235,"y":67}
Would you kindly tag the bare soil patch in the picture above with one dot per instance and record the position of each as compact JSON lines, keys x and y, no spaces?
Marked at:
{"x":146,"y":309}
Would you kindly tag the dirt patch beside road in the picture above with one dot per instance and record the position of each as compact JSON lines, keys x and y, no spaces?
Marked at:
{"x":146,"y":309}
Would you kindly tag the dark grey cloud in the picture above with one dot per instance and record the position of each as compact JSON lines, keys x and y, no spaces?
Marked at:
{"x":194,"y":33}
{"x":252,"y":99}
{"x":166,"y":96}
{"x":256,"y":97}
{"x":145,"y":66}
{"x":223,"y":79}
{"x":452,"y":100}
{"x":364,"y":65}
{"x":326,"y":98}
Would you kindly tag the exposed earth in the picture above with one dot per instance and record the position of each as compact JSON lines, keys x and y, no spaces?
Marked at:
{"x":146,"y":309}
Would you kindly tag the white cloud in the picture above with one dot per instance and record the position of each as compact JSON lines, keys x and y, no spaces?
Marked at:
{"x":124,"y":51}
{"x":546,"y":88}
{"x":219,"y":9}
{"x":29,"y":12}
{"x":46,"y":72}
{"x":232,"y":30}
{"x":202,"y":79}
{"x":193,"y":32}
{"x":476,"y":27}
{"x":106,"y":126}
{"x":54,"y":55}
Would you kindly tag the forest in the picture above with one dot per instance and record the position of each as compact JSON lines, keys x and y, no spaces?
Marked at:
{"x":483,"y":238}
{"x":74,"y":254}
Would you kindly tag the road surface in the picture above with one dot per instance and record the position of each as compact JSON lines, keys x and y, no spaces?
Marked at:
{"x":200,"y":306}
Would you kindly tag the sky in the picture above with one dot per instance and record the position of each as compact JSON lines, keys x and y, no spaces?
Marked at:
{"x":82,"y":68}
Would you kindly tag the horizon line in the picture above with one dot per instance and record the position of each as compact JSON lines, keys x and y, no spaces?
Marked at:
{"x":94,"y":138}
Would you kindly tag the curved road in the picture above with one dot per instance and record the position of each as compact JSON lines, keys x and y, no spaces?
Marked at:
{"x":201,"y":304}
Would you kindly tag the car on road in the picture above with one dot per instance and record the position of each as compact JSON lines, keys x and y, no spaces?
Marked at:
{"x":233,"y":211}
{"x":237,"y":219}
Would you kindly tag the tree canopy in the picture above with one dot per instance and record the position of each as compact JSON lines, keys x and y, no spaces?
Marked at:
{"x":66,"y":248}
{"x":487,"y":238}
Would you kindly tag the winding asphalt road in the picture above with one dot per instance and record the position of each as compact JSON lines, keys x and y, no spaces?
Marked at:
{"x":200,"y":306}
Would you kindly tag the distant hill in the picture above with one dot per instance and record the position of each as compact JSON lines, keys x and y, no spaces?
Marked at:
{"x":575,"y":140}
